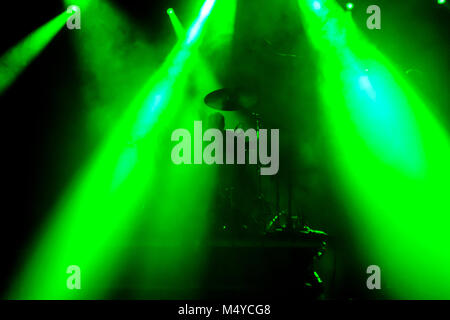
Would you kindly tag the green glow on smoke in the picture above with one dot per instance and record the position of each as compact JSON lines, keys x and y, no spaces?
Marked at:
{"x":15,"y":60}
{"x":184,"y":198}
{"x":96,"y":214}
{"x":391,"y":157}
{"x":223,"y":19}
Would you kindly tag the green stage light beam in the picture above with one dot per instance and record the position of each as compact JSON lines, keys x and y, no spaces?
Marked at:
{"x":15,"y":60}
{"x":179,"y":30}
{"x":176,"y":227}
{"x":219,"y":24}
{"x":391,"y":156}
{"x":93,"y":217}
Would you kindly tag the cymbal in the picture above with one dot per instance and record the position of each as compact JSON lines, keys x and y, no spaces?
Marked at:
{"x":227,"y":99}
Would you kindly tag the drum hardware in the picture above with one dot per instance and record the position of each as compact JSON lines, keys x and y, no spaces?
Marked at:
{"x":228,"y":99}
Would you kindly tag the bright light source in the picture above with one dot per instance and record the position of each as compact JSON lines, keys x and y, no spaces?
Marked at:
{"x":349,"y":5}
{"x":170,"y":11}
{"x":316,"y":5}
{"x":442,"y":1}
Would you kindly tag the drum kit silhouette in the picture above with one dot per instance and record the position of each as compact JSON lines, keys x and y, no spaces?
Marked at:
{"x":267,"y":218}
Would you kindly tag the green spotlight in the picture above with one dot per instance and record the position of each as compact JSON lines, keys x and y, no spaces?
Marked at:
{"x":204,"y":12}
{"x":442,"y":1}
{"x":98,"y":209}
{"x":397,"y":169}
{"x":316,"y":5}
{"x":14,"y":61}
{"x":349,"y":5}
{"x":176,"y":23}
